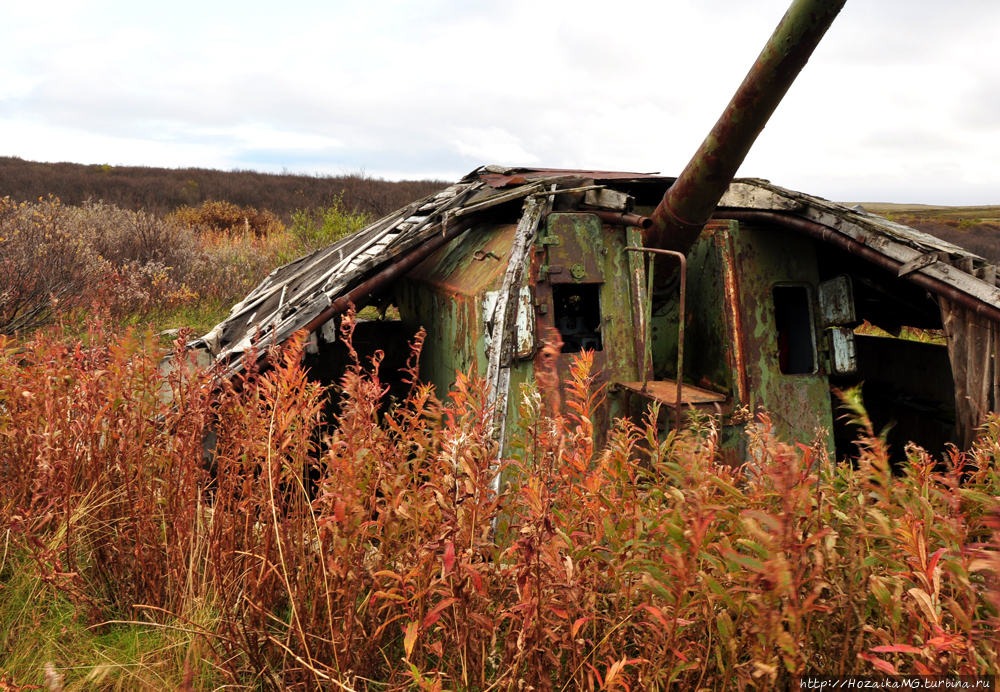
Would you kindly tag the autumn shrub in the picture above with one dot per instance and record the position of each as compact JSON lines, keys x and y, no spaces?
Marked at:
{"x":373,"y":552}
{"x":226,"y":217}
{"x":44,"y":265}
{"x":57,"y":261}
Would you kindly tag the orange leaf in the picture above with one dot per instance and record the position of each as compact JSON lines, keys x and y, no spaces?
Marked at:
{"x":477,"y":581}
{"x":882,"y":665}
{"x":577,"y":625}
{"x":613,"y":671}
{"x":934,"y":560}
{"x":411,"y":638}
{"x":656,"y":613}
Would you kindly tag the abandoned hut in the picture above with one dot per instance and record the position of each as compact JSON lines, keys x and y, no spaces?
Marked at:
{"x":771,"y":292}
{"x":700,"y":292}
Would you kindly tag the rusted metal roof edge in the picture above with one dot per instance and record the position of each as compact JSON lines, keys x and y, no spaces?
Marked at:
{"x":890,"y":239}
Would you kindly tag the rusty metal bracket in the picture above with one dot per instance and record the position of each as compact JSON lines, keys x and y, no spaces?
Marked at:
{"x":480,"y":256}
{"x":680,"y":321}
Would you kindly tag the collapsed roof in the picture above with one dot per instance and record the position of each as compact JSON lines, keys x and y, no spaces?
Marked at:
{"x":358,"y":269}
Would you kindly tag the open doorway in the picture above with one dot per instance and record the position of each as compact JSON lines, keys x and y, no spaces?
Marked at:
{"x":898,"y":356}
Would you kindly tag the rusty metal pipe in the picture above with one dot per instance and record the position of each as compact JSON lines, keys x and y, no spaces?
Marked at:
{"x":680,"y":325}
{"x":688,"y":204}
{"x":826,"y":234}
{"x":374,"y":287}
{"x":617,"y":218}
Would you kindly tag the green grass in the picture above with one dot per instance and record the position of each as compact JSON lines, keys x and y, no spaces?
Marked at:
{"x":40,"y":625}
{"x":200,"y":317}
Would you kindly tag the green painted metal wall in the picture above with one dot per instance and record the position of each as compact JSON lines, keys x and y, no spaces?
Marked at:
{"x":445,"y":295}
{"x":759,"y":259}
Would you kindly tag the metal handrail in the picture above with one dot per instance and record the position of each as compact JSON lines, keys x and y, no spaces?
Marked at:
{"x":680,"y":319}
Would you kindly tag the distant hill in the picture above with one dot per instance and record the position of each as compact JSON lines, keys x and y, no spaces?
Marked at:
{"x":977,"y":229}
{"x":161,"y":190}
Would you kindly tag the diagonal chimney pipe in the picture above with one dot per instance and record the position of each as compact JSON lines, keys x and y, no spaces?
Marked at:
{"x":688,"y":205}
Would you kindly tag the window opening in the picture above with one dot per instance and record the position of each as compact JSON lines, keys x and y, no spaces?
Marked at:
{"x":577,"y":311}
{"x":793,"y":319}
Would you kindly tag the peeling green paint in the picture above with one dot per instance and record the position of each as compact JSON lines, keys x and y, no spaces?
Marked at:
{"x":445,"y":295}
{"x":800,"y":404}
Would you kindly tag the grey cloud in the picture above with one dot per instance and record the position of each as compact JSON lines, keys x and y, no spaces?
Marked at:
{"x":979,"y":108}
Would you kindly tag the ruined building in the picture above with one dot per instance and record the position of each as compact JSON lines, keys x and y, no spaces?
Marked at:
{"x":699,"y":291}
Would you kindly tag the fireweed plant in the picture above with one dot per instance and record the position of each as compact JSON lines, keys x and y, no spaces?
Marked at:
{"x":366,"y":551}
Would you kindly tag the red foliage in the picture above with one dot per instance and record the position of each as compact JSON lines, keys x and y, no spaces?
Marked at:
{"x":371,"y":550}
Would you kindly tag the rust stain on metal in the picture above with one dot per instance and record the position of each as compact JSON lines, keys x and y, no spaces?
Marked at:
{"x":798,"y":403}
{"x":596,"y":250}
{"x":617,"y":218}
{"x":575,"y":243}
{"x":821,"y":232}
{"x":734,"y":317}
{"x":665,"y":391}
{"x":457,"y":270}
{"x":517,"y":176}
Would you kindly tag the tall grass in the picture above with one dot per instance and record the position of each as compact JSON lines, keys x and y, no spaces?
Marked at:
{"x":368,"y":552}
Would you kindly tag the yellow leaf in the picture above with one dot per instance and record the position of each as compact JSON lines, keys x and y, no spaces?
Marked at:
{"x":926,"y":604}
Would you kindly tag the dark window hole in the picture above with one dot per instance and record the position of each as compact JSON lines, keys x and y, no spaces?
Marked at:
{"x":793,"y":319}
{"x":578,"y":316}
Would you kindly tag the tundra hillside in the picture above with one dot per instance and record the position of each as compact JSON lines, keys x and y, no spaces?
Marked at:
{"x":974,"y":228}
{"x":160,"y":191}
{"x":175,"y":247}
{"x":369,"y":554}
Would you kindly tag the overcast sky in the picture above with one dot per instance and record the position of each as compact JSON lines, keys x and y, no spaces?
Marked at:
{"x":900,"y":102}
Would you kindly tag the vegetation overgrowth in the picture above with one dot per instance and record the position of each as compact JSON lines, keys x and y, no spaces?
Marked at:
{"x":369,"y":553}
{"x":67,"y":263}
